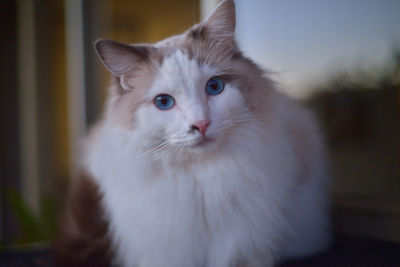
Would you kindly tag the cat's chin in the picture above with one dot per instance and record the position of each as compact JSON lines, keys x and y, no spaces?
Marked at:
{"x":202,"y":141}
{"x":199,"y":145}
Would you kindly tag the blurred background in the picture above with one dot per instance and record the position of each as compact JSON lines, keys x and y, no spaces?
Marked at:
{"x":341,"y":58}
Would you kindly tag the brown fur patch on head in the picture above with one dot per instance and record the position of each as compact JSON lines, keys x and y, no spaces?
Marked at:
{"x":200,"y":45}
{"x":212,"y":43}
{"x":197,"y":33}
{"x":128,"y":91}
{"x":133,"y":68}
{"x":213,"y":39}
{"x":230,"y":63}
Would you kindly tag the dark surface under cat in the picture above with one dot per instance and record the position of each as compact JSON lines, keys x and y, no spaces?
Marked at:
{"x":346,"y":251}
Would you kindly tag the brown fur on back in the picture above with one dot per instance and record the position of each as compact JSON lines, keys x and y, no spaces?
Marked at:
{"x":82,"y":239}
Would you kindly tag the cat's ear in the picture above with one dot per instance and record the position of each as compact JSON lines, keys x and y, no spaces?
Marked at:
{"x":120,"y":58}
{"x":221,"y":23}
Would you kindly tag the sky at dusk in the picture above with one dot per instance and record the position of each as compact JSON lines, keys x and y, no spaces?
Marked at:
{"x":306,"y":41}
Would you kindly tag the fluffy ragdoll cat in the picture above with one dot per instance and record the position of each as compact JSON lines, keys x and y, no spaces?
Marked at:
{"x":198,"y":161}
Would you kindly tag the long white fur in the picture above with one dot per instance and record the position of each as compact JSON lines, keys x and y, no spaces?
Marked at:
{"x":235,"y":200}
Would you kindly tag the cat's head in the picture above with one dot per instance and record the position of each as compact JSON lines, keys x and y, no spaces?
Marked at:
{"x":188,"y":92}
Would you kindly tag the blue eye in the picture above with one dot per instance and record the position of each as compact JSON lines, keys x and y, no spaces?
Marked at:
{"x":164,"y":102}
{"x":214,"y":86}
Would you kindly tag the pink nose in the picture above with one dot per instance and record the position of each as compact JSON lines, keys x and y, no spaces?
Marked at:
{"x":201,"y":126}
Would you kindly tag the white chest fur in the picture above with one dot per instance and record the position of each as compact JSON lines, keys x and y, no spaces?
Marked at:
{"x":235,"y":205}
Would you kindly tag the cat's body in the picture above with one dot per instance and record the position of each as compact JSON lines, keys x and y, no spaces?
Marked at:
{"x":220,"y":178}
